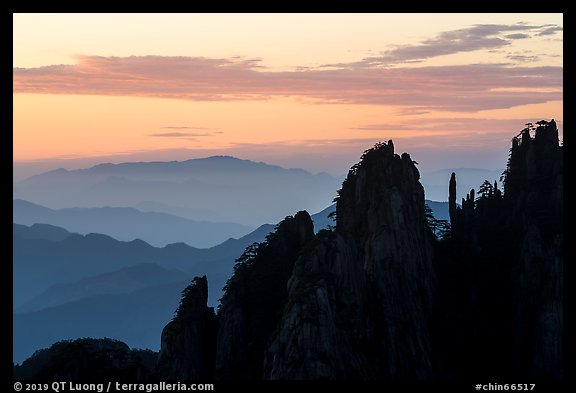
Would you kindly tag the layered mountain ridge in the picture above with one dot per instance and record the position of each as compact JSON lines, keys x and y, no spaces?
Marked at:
{"x":380,"y":297}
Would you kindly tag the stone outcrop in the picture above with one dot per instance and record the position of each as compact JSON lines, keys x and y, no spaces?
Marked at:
{"x":501,"y":272}
{"x":534,"y":186}
{"x":378,"y":297}
{"x":254,"y":297}
{"x":188,"y":341}
{"x":359,"y":299}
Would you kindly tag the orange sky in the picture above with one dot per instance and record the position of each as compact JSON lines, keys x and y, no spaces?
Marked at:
{"x":310,"y":90}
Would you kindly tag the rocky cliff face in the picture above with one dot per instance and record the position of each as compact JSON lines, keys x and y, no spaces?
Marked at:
{"x":188,"y":341}
{"x":254,"y":297}
{"x":534,"y":186}
{"x":500,"y":273}
{"x":359,"y":299}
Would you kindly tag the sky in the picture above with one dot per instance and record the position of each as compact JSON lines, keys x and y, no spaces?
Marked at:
{"x":298,"y":90}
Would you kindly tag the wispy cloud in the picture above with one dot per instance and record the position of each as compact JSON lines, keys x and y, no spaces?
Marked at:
{"x":518,"y":36}
{"x":184,"y":135}
{"x":465,"y":88}
{"x":186,"y":128}
{"x":549,"y":30}
{"x":178,"y":134}
{"x":522,"y":58}
{"x":477,"y":37}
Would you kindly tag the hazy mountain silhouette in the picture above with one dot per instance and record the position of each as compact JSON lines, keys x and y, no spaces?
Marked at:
{"x":97,"y":286}
{"x":41,"y":231}
{"x":40,"y":263}
{"x":66,"y":299}
{"x":125,"y":280}
{"x":135,"y":318}
{"x":46,"y":256}
{"x":123,"y":223}
{"x":227,"y":188}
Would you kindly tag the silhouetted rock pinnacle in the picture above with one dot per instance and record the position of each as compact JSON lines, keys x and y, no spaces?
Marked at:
{"x":500,"y":273}
{"x":359,"y":299}
{"x":255,"y":295}
{"x":452,"y":199}
{"x":187,"y":346}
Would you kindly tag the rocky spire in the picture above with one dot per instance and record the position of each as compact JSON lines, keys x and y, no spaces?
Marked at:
{"x":359,"y":299}
{"x":452,"y":199}
{"x":501,"y":271}
{"x":188,"y":341}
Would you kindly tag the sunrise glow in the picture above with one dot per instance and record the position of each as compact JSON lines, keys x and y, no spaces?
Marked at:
{"x":291,"y":89}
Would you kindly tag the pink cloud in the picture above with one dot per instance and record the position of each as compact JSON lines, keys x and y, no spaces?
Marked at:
{"x":465,"y":88}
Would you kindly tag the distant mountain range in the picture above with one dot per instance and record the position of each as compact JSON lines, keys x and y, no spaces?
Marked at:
{"x":40,"y":263}
{"x":126,"y":223}
{"x":68,"y":285}
{"x":217,"y":189}
{"x":45,"y":255}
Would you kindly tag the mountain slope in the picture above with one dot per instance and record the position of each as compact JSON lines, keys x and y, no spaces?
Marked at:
{"x":41,"y":231}
{"x":123,"y":223}
{"x":40,"y":263}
